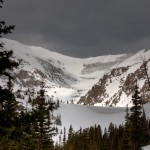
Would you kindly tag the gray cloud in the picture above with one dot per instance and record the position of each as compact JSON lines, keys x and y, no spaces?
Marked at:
{"x":81,"y":28}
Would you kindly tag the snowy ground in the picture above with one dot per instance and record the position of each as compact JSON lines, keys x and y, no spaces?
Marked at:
{"x":85,"y":116}
{"x":146,"y":147}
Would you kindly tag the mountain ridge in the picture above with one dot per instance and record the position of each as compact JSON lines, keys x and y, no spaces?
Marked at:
{"x":69,"y":78}
{"x":117,"y":87}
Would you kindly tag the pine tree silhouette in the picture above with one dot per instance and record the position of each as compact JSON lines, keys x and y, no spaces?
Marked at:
{"x":135,"y":121}
{"x":8,"y":104}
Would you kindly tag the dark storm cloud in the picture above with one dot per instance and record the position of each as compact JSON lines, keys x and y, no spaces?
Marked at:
{"x":81,"y":28}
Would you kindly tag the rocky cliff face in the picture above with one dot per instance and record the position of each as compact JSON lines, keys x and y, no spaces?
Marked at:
{"x":28,"y":76}
{"x":105,"y":92}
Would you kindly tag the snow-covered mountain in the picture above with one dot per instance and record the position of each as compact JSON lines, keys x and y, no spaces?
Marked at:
{"x":116,"y":87}
{"x":102,"y":80}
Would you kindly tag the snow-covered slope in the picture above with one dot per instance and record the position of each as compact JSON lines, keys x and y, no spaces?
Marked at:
{"x":111,"y":77}
{"x":146,"y":147}
{"x":115,"y":88}
{"x":66,"y":78}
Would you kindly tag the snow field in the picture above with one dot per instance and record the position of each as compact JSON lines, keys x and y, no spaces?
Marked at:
{"x":85,"y":116}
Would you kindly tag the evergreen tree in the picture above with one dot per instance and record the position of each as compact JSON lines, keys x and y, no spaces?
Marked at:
{"x":145,"y":130}
{"x":58,"y":120}
{"x":70,"y":132}
{"x":57,"y":104}
{"x":125,"y":140}
{"x":105,"y":140}
{"x":135,"y":121}
{"x":9,"y":112}
{"x":120,"y":131}
{"x":8,"y":104}
{"x":113,"y":137}
{"x":7,"y":64}
{"x":98,"y":134}
{"x":43,"y":123}
{"x":70,"y":141}
{"x":64,"y":136}
{"x":92,"y":138}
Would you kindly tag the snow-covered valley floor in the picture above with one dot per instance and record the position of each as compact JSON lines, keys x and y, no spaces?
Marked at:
{"x":85,"y":116}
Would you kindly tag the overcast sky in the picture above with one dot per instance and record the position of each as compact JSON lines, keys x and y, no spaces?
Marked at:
{"x":80,"y":28}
